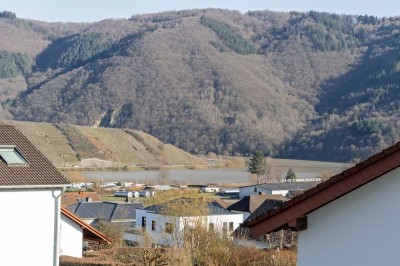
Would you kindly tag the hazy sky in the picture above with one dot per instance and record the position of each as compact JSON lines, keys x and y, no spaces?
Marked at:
{"x":95,"y":10}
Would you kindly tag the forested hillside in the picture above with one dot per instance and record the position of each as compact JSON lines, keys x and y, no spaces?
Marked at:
{"x":299,"y":85}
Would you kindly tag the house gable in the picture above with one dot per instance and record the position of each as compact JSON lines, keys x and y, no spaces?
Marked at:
{"x":89,"y":232}
{"x":358,"y":228}
{"x":30,"y":190}
{"x":290,"y":213}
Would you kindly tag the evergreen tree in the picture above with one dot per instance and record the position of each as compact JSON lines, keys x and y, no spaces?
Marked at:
{"x":258,"y":165}
{"x":290,"y":176}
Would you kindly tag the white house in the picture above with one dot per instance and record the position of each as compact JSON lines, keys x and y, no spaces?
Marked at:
{"x":283,"y":189}
{"x":30,"y":196}
{"x":167,"y":230}
{"x":210,"y":189}
{"x":350,"y":219}
{"x":74,"y":233}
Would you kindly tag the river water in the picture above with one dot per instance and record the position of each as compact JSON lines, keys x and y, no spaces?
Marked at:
{"x":200,"y":177}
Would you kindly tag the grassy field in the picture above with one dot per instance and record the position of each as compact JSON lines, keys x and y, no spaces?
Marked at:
{"x":162,"y":196}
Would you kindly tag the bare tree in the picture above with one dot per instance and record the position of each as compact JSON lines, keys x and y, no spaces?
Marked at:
{"x":163,"y":175}
{"x":115,"y":231}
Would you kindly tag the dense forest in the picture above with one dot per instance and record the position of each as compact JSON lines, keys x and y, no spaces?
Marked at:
{"x":307,"y":85}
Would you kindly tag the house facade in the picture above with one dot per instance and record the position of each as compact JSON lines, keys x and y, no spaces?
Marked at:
{"x":30,"y":192}
{"x":350,"y":219}
{"x":168,"y":230}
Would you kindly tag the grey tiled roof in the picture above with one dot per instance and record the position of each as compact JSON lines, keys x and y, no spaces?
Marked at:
{"x":125,"y":211}
{"x":38,"y":172}
{"x":216,"y":209}
{"x":110,"y":211}
{"x":213,"y":207}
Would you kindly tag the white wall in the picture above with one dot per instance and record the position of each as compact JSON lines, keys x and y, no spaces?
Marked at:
{"x":159,"y":236}
{"x":280,"y":192}
{"x":71,"y":238}
{"x":360,"y":228}
{"x":245,"y":214}
{"x":28,"y":227}
{"x":247,"y":191}
{"x":210,"y":189}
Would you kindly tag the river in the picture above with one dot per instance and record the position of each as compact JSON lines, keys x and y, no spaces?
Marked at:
{"x":198,"y":177}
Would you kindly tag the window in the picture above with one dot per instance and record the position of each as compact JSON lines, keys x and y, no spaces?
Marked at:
{"x":230,"y":226}
{"x":144,"y":222}
{"x":224,"y":228}
{"x":169,"y":228}
{"x":153,"y":225}
{"x":211,"y":226}
{"x":11,"y":156}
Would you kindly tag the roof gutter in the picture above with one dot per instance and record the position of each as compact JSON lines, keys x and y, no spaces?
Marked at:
{"x":56,"y":245}
{"x":62,"y":186}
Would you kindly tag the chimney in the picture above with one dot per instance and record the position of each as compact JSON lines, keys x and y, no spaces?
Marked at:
{"x":89,"y":199}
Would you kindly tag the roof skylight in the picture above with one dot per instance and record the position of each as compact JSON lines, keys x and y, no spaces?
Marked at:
{"x":11,"y":156}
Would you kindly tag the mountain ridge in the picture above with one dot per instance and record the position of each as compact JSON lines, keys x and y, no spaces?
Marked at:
{"x":296,"y":85}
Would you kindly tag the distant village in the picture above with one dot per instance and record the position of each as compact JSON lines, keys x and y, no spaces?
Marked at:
{"x":309,"y":219}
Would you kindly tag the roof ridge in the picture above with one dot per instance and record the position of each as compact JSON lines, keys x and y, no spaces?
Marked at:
{"x":113,"y":211}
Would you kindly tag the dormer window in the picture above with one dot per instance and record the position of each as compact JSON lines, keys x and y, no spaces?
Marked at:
{"x":11,"y":156}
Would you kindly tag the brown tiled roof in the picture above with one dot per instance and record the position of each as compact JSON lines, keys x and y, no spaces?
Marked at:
{"x":38,"y":172}
{"x":286,"y":215}
{"x":70,"y":198}
{"x":252,"y":202}
{"x":222,"y":203}
{"x":89,"y":232}
{"x":266,"y":206}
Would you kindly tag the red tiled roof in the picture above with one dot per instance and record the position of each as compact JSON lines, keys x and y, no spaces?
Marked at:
{"x":285,"y":215}
{"x":89,"y":231}
{"x":38,"y":172}
{"x":70,"y":198}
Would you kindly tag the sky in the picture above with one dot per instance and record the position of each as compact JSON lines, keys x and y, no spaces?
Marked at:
{"x":96,"y":10}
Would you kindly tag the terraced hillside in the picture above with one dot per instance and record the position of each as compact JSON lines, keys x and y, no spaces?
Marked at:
{"x":69,"y":145}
